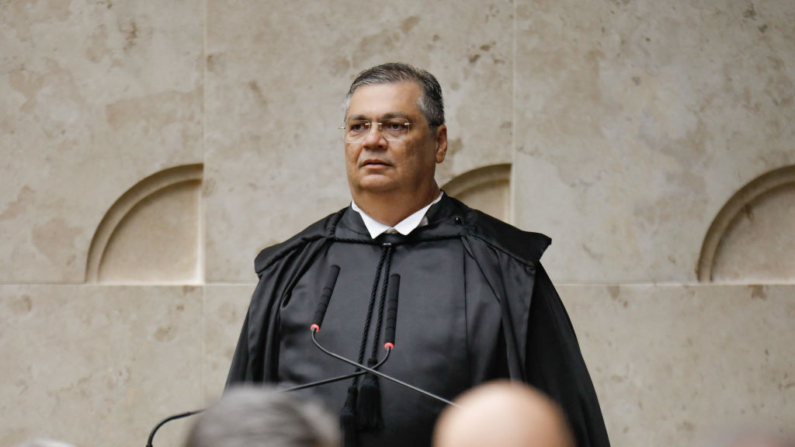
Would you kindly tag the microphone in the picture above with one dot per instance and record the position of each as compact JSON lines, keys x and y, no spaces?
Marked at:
{"x":392,"y":293}
{"x":317,"y":321}
{"x":325,"y":296}
{"x":391,"y":311}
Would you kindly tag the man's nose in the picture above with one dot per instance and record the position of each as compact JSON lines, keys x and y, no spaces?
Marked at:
{"x":374,"y":139}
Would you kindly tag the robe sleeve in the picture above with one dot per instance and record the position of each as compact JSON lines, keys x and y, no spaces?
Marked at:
{"x":239,"y":370}
{"x":256,"y":356}
{"x":247,"y":363}
{"x":555,"y":365}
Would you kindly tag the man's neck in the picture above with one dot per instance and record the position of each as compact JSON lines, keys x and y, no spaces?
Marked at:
{"x":390,"y":208}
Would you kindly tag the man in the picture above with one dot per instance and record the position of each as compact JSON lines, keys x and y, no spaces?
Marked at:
{"x":474,"y":302}
{"x":257,"y":417}
{"x":503,"y":414}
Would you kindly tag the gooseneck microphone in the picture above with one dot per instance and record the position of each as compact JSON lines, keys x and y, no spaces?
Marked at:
{"x":391,"y":312}
{"x":317,"y":322}
{"x":166,"y":420}
{"x":389,"y":342}
{"x":325,"y":296}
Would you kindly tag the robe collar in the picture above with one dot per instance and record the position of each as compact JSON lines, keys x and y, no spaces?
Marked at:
{"x":404,"y":227}
{"x":442,"y":221}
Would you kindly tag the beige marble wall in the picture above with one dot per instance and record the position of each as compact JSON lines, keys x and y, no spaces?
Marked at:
{"x":676,"y":364}
{"x":95,"y":365}
{"x":764,"y":227}
{"x":636,"y":121}
{"x":629,"y":125}
{"x":94,"y":96}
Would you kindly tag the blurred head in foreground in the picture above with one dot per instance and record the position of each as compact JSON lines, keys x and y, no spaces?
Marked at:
{"x":262,"y":417}
{"x":503,"y":414}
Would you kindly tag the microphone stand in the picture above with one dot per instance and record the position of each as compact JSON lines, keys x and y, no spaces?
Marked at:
{"x":320,"y":313}
{"x":166,"y":420}
{"x":378,"y":373}
{"x":337,"y":379}
{"x":286,"y":390}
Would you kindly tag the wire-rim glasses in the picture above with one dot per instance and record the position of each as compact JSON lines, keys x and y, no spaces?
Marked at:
{"x":393,"y":129}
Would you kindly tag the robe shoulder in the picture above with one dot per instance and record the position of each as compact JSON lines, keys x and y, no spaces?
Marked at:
{"x":321,"y":229}
{"x":526,"y":246}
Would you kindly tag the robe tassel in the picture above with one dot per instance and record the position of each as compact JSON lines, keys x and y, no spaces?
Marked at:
{"x":369,"y":404}
{"x":350,"y":431}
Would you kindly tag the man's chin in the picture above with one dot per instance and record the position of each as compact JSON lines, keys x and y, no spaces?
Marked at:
{"x":377,"y":184}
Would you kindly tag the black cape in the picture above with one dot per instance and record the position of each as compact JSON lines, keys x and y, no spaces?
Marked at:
{"x":475,"y":304}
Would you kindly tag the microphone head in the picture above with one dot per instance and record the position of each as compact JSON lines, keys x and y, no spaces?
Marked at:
{"x":325,"y":296}
{"x":391,"y":310}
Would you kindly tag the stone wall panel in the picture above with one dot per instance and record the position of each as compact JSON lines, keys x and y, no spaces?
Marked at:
{"x":225,"y":311}
{"x":98,"y":365}
{"x":637,"y":121}
{"x":91,"y":94}
{"x":673,"y":365}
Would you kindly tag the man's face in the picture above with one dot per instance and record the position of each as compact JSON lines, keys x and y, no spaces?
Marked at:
{"x":376,"y":165}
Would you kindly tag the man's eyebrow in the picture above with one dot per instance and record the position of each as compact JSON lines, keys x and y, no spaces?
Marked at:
{"x":394,"y":115}
{"x":385,"y":116}
{"x":358,"y":118}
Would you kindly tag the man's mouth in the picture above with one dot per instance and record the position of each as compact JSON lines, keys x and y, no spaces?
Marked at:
{"x":375,"y":163}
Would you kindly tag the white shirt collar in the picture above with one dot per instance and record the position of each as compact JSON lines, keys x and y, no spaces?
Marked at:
{"x":404,"y":227}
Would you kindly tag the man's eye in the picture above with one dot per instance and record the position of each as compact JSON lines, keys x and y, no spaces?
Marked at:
{"x":394,"y":125}
{"x":356,"y":127}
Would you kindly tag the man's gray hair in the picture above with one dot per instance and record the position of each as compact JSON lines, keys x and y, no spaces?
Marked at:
{"x":430,"y":103}
{"x":263,"y":417}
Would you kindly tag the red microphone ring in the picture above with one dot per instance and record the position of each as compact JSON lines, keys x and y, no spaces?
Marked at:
{"x":389,"y":346}
{"x":315,"y":328}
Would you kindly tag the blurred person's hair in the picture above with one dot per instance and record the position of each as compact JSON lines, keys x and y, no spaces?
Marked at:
{"x":263,"y":417}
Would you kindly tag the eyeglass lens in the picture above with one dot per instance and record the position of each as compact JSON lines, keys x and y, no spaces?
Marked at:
{"x":391,"y":129}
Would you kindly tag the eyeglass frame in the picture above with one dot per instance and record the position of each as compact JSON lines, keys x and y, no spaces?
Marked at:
{"x":408,"y":125}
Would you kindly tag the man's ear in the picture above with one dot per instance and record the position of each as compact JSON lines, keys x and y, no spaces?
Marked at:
{"x":441,"y":143}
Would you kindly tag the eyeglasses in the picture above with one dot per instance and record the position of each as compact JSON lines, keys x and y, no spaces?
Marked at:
{"x":391,"y":129}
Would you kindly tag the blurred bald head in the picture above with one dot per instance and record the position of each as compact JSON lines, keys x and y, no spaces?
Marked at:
{"x":503,"y":414}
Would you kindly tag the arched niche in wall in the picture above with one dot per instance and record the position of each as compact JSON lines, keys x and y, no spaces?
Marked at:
{"x":487,"y":189}
{"x":752,"y":239}
{"x":152,"y":233}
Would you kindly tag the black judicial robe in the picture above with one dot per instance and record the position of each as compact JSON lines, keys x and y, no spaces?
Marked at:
{"x":474,"y":304}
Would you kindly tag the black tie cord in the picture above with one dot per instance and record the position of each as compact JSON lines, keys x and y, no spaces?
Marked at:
{"x":369,"y":410}
{"x":348,"y":416}
{"x":350,"y":434}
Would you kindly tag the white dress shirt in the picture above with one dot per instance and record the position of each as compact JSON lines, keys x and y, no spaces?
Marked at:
{"x":404,"y":227}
